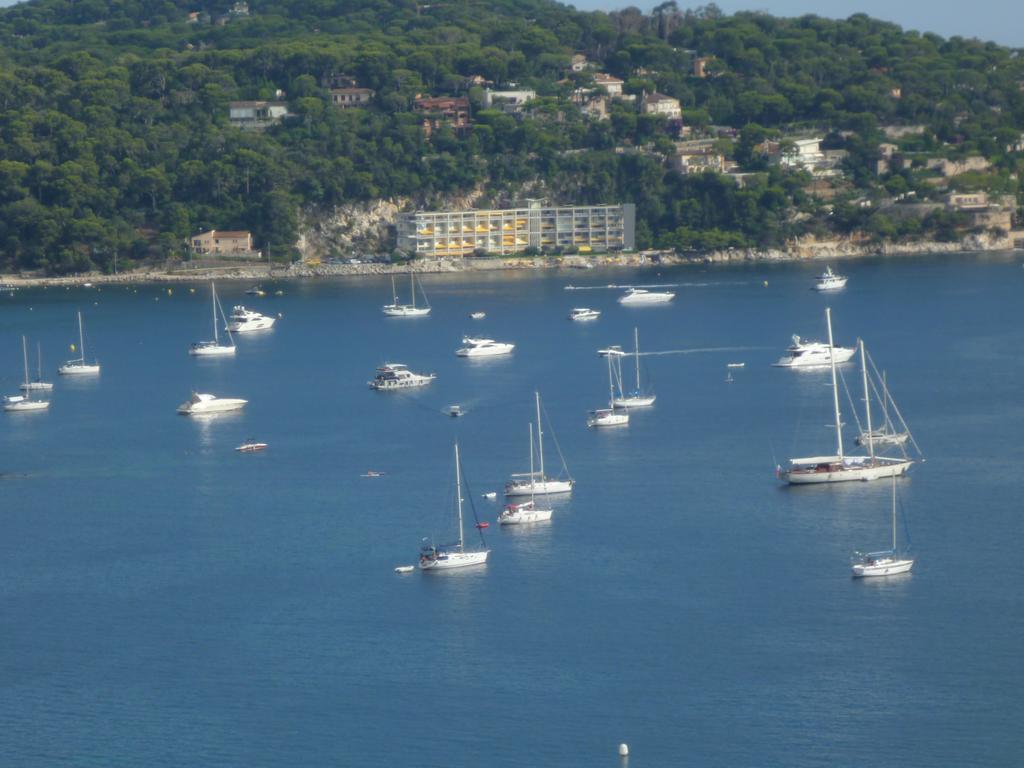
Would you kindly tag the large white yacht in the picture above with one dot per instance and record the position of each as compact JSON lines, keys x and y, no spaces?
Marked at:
{"x":483,"y":347}
{"x":642,"y":296}
{"x":830,"y":281}
{"x":243,"y":320}
{"x":201,"y":404}
{"x":397,"y":376}
{"x":813,"y":354}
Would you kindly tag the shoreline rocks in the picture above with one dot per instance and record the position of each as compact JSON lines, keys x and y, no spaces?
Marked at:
{"x":833,"y":250}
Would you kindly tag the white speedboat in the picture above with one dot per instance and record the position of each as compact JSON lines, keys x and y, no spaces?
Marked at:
{"x":887,"y":563}
{"x":608,"y":417}
{"x":214,"y":348}
{"x":538,"y":483}
{"x":484,"y":347}
{"x":243,"y":320}
{"x":78,"y":366}
{"x":37,"y":384}
{"x":394,"y":309}
{"x":201,"y":404}
{"x":436,"y":557}
{"x":635,"y":296}
{"x":613,"y":351}
{"x":829,"y":281}
{"x":478,"y":315}
{"x":840,"y":467}
{"x":635,"y":398}
{"x":584,"y":313}
{"x":251,"y":446}
{"x":16,"y":403}
{"x":813,"y":354}
{"x":455,"y":411}
{"x":524,"y":512}
{"x":391,"y":376}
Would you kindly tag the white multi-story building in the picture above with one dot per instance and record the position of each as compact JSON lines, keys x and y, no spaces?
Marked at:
{"x":508,"y":231}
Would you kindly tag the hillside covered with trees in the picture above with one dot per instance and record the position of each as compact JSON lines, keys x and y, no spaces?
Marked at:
{"x":115,"y":135}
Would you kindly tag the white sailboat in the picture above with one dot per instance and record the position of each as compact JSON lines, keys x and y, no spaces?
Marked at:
{"x":538,"y":483}
{"x":636,"y":398}
{"x":37,"y":384}
{"x":886,"y":563}
{"x":527,"y":511}
{"x":608,"y":417}
{"x":394,"y":309}
{"x":839,"y":467}
{"x":435,"y":557}
{"x":22,"y":403}
{"x":212,"y":348}
{"x":78,"y":366}
{"x":887,"y":434}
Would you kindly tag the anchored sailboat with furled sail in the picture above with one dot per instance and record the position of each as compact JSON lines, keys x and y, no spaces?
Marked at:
{"x":840,"y":467}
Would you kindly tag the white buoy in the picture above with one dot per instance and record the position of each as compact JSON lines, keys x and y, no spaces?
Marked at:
{"x":623,"y":750}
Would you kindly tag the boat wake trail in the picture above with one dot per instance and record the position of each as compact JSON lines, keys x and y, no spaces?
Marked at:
{"x":696,"y":350}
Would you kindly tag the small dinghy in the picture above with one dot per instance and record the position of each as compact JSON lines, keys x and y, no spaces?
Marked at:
{"x":405,"y":569}
{"x":491,"y":495}
{"x":251,"y":446}
{"x":483,"y":525}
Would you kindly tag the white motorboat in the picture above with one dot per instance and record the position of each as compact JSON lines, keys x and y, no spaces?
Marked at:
{"x":584,"y":313}
{"x":391,"y":376}
{"x":524,"y":512}
{"x":478,"y":315}
{"x":37,"y":384}
{"x":78,"y":366}
{"x":23,"y":403}
{"x":612,"y":351}
{"x":538,"y":483}
{"x":243,"y":320}
{"x":734,"y":365}
{"x":436,"y":557}
{"x":214,"y":348}
{"x":394,"y":309}
{"x":251,"y":446}
{"x":636,"y":296}
{"x":483,"y":347}
{"x":813,"y":354}
{"x":886,"y":563}
{"x":608,"y":417}
{"x":455,"y":411}
{"x":635,"y":398}
{"x":829,"y":281}
{"x":839,"y":467}
{"x":202,"y":404}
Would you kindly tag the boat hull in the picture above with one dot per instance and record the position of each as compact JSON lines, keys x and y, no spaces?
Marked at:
{"x":849,"y":470}
{"x":78,"y":369}
{"x":449,"y":560}
{"x":391,"y":310}
{"x":220,"y":405}
{"x":37,"y":386}
{"x":649,"y":298}
{"x":523,"y":516}
{"x":496,"y":351}
{"x":884,"y":568}
{"x":210,"y":351}
{"x":539,"y":488}
{"x":26,"y":406}
{"x":609,"y":420}
{"x":634,"y":402}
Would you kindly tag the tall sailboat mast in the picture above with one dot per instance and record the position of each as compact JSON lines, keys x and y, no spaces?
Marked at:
{"x":39,"y":360}
{"x":412,"y":289}
{"x":636,"y":348}
{"x":81,"y":337}
{"x":835,"y":385}
{"x":540,"y":445}
{"x":24,"y":353}
{"x":458,"y":493}
{"x":894,"y":514}
{"x":213,"y":307}
{"x":867,"y":401}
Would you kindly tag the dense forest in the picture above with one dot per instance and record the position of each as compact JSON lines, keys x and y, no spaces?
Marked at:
{"x":115,"y":136}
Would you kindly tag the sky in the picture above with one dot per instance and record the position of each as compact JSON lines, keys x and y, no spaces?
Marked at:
{"x":998,"y":20}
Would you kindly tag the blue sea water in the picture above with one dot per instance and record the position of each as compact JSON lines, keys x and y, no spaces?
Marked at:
{"x":165,"y":601}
